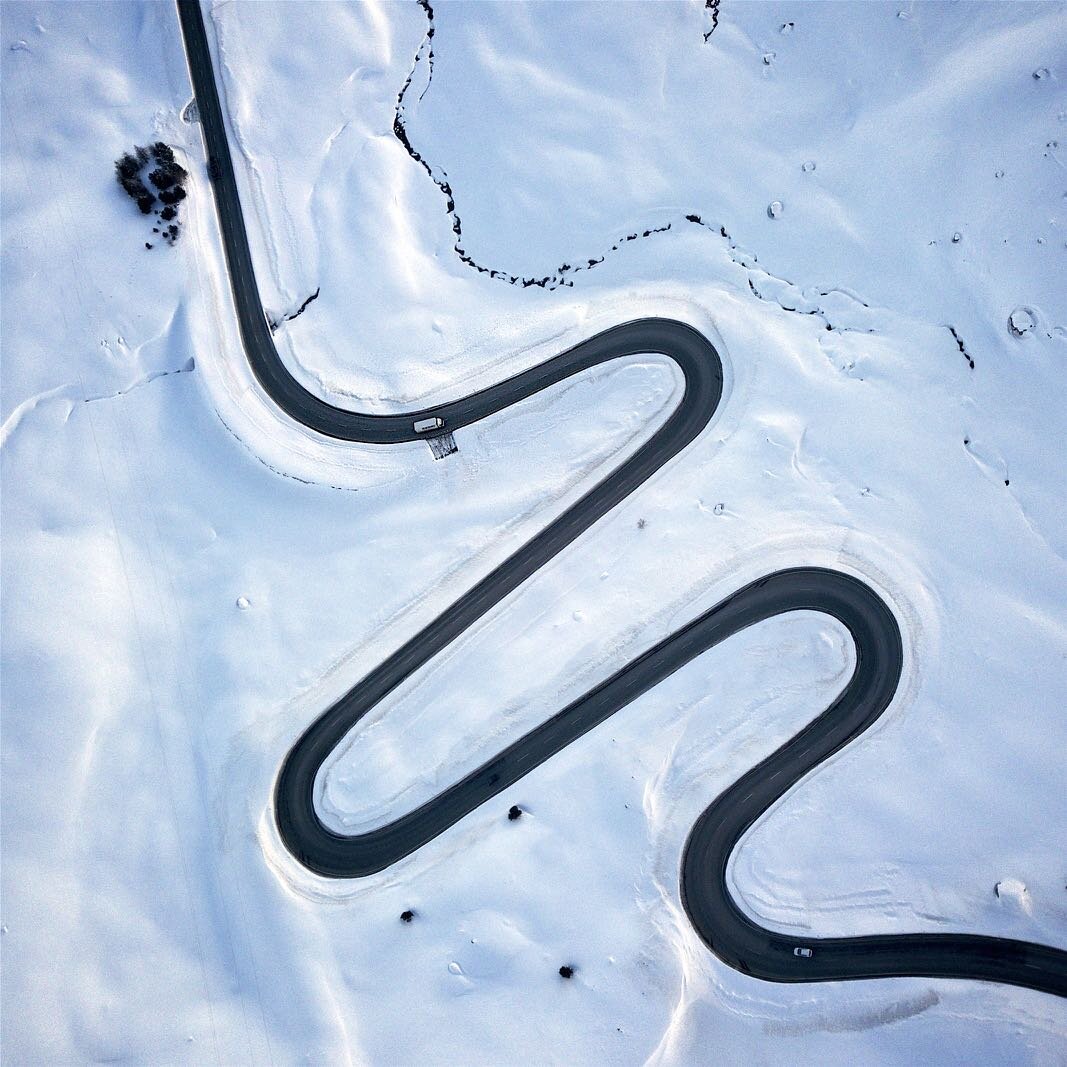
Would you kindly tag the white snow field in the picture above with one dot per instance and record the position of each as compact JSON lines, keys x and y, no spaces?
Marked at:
{"x":189,"y":579}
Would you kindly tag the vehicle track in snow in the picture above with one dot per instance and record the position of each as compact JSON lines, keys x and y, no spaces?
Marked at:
{"x":727,"y":931}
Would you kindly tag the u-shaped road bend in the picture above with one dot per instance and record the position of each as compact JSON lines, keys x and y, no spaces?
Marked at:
{"x":725,"y":929}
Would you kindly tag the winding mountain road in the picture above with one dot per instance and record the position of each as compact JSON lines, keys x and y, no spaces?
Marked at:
{"x":724,"y":928}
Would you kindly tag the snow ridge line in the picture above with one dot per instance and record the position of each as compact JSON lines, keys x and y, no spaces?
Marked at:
{"x":559,"y":277}
{"x":31,"y":403}
{"x":562,"y":276}
{"x":750,"y":262}
{"x":188,"y":366}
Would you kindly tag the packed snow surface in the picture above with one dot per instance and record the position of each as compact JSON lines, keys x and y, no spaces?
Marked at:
{"x":863,"y":205}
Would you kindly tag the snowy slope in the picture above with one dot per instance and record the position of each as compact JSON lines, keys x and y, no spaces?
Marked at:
{"x":149,"y":913}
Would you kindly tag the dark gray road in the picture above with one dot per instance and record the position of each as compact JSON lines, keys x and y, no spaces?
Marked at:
{"x":731,"y":935}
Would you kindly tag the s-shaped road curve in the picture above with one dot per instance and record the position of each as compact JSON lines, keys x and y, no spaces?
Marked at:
{"x":723,"y":927}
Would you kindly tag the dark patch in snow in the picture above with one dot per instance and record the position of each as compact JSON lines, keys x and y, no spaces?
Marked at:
{"x":785,"y":307}
{"x":514,"y":812}
{"x":563,"y":275}
{"x":155,"y":165}
{"x":566,"y":971}
{"x":425,"y":5}
{"x":960,"y":345}
{"x":759,"y":273}
{"x":407,"y":916}
{"x":560,"y":276}
{"x":711,"y":7}
{"x":275,"y":323}
{"x":1022,"y":321}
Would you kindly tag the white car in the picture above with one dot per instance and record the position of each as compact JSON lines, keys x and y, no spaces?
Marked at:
{"x":805,"y":952}
{"x":428,"y":425}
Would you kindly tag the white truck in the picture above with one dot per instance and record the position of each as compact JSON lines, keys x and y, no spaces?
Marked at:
{"x":428,"y":425}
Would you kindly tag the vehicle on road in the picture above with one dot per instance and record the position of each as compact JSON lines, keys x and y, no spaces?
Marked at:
{"x":705,"y":893}
{"x":428,"y":425}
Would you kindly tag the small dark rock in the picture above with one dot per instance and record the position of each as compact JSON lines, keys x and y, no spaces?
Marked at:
{"x":514,"y":812}
{"x":407,"y":916}
{"x":566,"y":971}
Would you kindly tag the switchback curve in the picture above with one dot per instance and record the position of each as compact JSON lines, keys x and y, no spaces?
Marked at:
{"x":724,"y":928}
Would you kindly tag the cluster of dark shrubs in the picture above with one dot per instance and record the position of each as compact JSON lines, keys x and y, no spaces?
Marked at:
{"x":155,"y":166}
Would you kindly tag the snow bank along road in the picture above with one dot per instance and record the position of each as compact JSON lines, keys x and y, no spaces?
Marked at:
{"x":730,"y":934}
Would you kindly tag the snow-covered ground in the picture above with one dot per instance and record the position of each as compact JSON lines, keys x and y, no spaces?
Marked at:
{"x":148,"y":911}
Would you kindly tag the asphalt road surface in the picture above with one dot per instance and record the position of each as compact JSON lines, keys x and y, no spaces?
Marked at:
{"x":724,"y":928}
